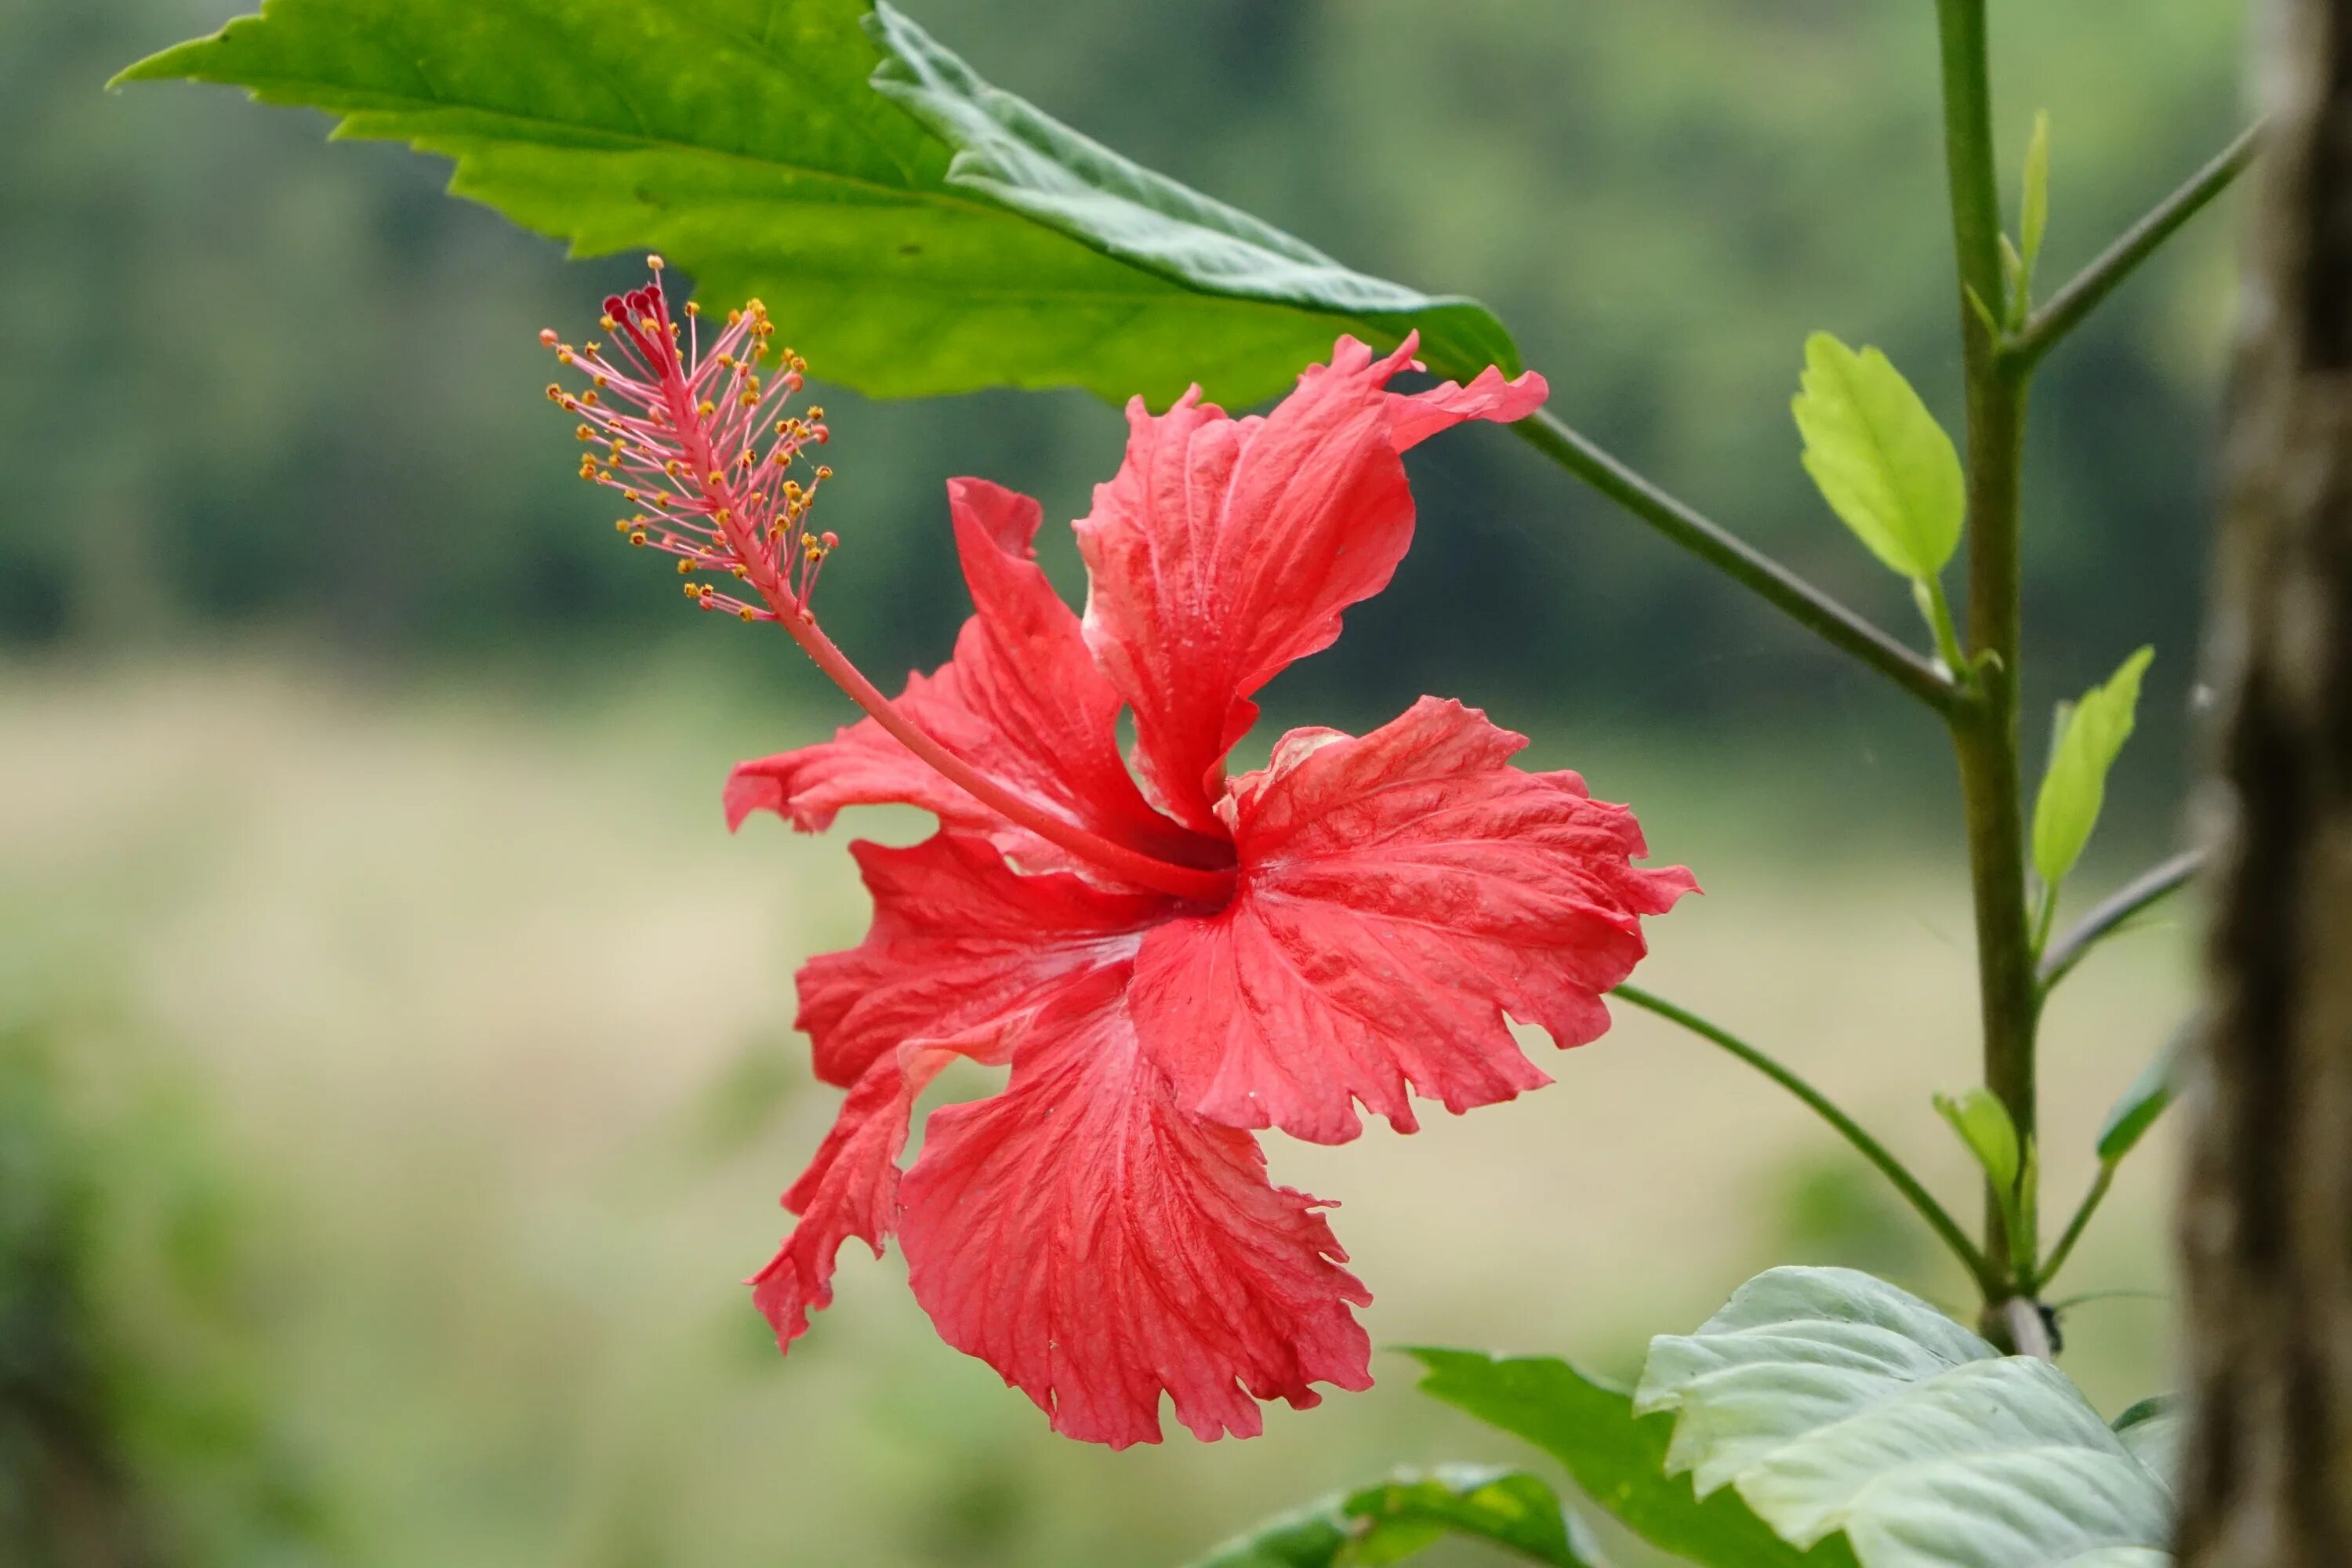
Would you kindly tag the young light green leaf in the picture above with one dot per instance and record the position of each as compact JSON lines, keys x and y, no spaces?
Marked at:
{"x":1398,"y":1518}
{"x":2140,"y":1105}
{"x":1832,"y":1402}
{"x":2033,"y":219}
{"x":743,"y":140}
{"x":1882,"y":462}
{"x":2076,"y":786}
{"x":1616,"y":1460}
{"x":1984,"y":1124}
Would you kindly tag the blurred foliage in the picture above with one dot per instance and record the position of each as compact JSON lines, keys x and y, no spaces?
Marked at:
{"x":263,"y":384}
{"x":136,"y":1429}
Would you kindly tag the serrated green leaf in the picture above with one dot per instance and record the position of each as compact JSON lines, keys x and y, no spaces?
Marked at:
{"x":2145,"y":1100}
{"x":1013,"y":153}
{"x":743,"y":140}
{"x":1830,"y":1401}
{"x":1395,"y":1518}
{"x":1882,"y":462}
{"x":1616,"y":1460}
{"x":1984,"y":1124}
{"x":2075,"y":787}
{"x":2034,"y":216}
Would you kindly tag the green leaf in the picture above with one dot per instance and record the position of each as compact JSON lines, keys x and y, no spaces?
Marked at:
{"x":1832,"y":1402}
{"x":1398,"y":1518}
{"x":2151,"y":1430}
{"x":744,"y":141}
{"x":1616,"y":1460}
{"x":1882,"y":462}
{"x":2034,"y":218}
{"x":2146,"y":1099}
{"x":2075,"y":786}
{"x":1984,"y":1124}
{"x":1011,"y":152}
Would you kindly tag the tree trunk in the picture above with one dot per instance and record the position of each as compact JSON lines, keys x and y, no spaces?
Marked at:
{"x":2266,"y":1219}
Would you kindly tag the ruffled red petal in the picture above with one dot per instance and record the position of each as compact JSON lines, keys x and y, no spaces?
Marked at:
{"x":1224,"y":550}
{"x":1100,"y":1247}
{"x":850,"y":1189}
{"x":1022,"y":700}
{"x":960,"y":944}
{"x":1399,"y":893}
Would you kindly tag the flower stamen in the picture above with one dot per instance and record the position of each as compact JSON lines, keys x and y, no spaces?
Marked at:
{"x":683,"y":442}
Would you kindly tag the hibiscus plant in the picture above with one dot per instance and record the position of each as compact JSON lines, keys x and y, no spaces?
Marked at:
{"x":1168,"y":959}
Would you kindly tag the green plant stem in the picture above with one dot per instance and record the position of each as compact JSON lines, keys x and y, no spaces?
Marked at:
{"x":2065,"y":309}
{"x":1806,"y":604}
{"x":2143,"y":892}
{"x":1938,"y":1218}
{"x":1984,"y":730}
{"x":2075,"y":1227}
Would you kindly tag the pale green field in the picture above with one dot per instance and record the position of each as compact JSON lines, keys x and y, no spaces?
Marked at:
{"x":493,"y":1017}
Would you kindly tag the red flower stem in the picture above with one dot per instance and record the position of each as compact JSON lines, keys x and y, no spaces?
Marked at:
{"x":766,"y":574}
{"x":1129,"y":865}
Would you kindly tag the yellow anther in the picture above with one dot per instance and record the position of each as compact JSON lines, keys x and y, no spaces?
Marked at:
{"x":648,"y":324}
{"x":588,"y":398}
{"x":706,"y":408}
{"x":654,"y":262}
{"x":815,"y":413}
{"x":745,"y":614}
{"x":717,"y":478}
{"x":740,"y":570}
{"x":693,"y":309}
{"x":749,"y":399}
{"x":585,"y":433}
{"x":554,"y":392}
{"x":638,"y":537}
{"x":623,"y":525}
{"x":594,"y":347}
{"x":822,"y":472}
{"x":565,"y":356}
{"x":632,"y":498}
{"x":673,"y":467}
{"x":607,"y":323}
{"x":693,"y":590}
{"x":685,"y":568}
{"x":601,"y":380}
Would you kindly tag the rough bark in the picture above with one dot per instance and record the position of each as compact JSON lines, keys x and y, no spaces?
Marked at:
{"x":2266,"y":1219}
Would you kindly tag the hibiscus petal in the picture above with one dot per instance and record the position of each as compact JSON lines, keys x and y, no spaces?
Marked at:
{"x":850,"y":1189}
{"x":1224,"y":550}
{"x":1100,"y":1247}
{"x":1398,"y":894}
{"x":1022,"y":700}
{"x":961,"y":943}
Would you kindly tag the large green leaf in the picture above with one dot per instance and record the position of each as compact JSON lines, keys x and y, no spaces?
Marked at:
{"x":743,"y":140}
{"x":1881,"y":460}
{"x":1832,"y":1402}
{"x":1616,"y":1460}
{"x":1397,"y":1517}
{"x":2075,"y":787}
{"x":1014,"y":154}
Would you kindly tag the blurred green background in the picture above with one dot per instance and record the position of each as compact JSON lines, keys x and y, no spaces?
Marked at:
{"x":395,"y":1063}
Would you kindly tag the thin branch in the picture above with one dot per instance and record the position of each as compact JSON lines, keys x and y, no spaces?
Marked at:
{"x":2144,"y":893}
{"x":2066,"y":308}
{"x":1808,"y":606}
{"x":1938,"y":1219}
{"x":2083,"y":1213}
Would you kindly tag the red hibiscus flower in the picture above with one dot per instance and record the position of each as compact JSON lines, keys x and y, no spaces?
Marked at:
{"x":1167,"y":958}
